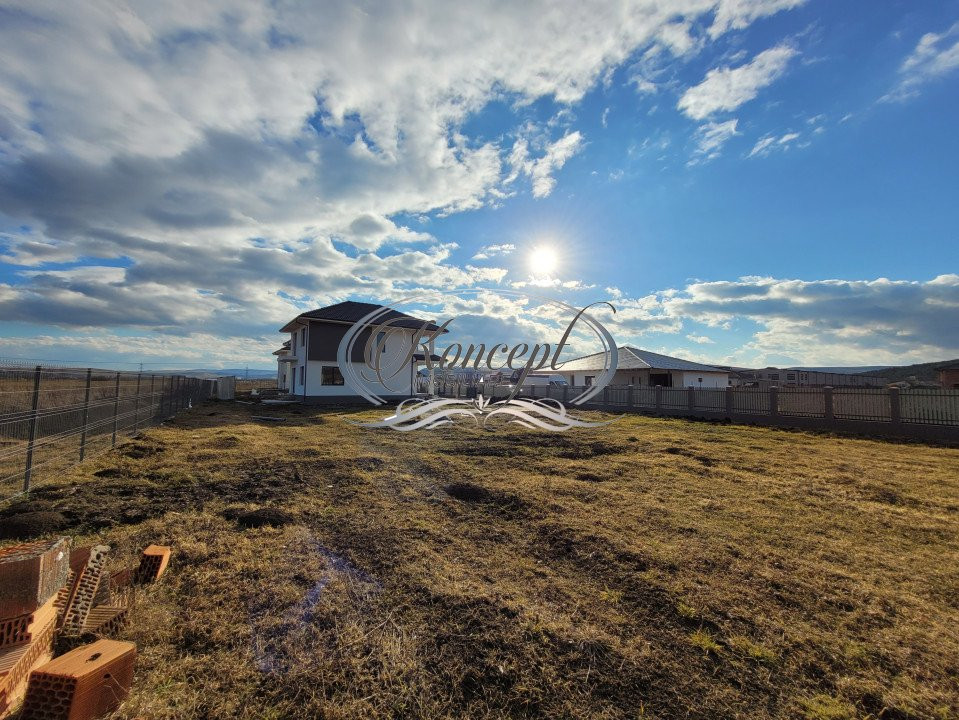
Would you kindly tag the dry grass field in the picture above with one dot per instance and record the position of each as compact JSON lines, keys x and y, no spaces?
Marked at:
{"x":650,"y":569}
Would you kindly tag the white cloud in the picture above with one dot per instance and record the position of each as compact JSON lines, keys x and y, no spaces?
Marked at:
{"x":488,"y":251}
{"x":711,"y":138}
{"x":370,"y":231}
{"x":203,"y":349}
{"x":762,"y":146}
{"x":216,"y":156}
{"x":936,"y":55}
{"x":829,"y":322}
{"x":546,"y":281}
{"x":768,"y":143}
{"x":541,"y":169}
{"x":725,"y":89}
{"x":738,"y":14}
{"x":818,"y":322}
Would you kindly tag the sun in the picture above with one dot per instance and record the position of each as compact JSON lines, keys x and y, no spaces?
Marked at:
{"x":543,"y":261}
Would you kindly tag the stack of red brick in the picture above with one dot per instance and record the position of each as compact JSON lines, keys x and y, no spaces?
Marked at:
{"x":48,"y":589}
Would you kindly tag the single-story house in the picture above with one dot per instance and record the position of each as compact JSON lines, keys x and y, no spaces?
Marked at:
{"x":310,"y":359}
{"x":767,"y":377}
{"x":643,"y":368}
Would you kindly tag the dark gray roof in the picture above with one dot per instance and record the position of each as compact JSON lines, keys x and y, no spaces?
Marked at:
{"x":631,"y":358}
{"x":351,"y":311}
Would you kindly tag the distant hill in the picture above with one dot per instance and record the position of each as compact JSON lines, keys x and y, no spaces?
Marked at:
{"x":848,"y":370}
{"x":253,"y":374}
{"x":922,"y":371}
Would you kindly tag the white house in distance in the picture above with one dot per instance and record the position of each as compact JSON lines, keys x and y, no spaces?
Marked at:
{"x":284,"y":361}
{"x":308,"y":361}
{"x":643,"y":368}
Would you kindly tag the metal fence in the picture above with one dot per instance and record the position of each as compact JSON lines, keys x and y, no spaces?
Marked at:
{"x":905,"y":412}
{"x":51,"y":418}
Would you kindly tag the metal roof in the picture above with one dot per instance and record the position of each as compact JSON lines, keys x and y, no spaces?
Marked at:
{"x":351,"y":312}
{"x":631,"y":358}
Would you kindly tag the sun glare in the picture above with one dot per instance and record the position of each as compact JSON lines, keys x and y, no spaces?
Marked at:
{"x":543,"y":261}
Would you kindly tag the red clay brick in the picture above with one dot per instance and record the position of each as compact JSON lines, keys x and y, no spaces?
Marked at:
{"x":79,"y":557}
{"x":121,"y":578}
{"x":83,"y":684}
{"x":85,"y":591}
{"x":32,"y":573}
{"x":63,"y":596}
{"x":16,"y":663}
{"x":153,"y":563}
{"x":106,"y":620}
{"x":22,"y":629}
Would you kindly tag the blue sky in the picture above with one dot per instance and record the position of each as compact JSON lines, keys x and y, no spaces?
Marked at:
{"x":749,"y":181}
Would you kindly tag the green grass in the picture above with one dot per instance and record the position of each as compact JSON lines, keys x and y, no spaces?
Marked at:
{"x":654,"y":568}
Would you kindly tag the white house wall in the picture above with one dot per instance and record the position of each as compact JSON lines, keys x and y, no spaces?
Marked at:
{"x":397,"y":346}
{"x":700,"y":379}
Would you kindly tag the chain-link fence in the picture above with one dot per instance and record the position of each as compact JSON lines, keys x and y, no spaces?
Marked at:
{"x":51,"y":418}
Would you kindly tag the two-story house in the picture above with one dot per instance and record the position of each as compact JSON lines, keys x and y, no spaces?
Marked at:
{"x":307,"y":365}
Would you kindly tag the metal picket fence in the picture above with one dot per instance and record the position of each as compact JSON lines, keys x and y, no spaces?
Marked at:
{"x":51,"y":418}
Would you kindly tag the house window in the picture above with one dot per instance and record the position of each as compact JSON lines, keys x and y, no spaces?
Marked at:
{"x":303,"y":337}
{"x":588,"y":380}
{"x":773,"y":376}
{"x":380,"y":337}
{"x":302,"y":374}
{"x":332,"y":375}
{"x":790,"y":376}
{"x":293,"y":343}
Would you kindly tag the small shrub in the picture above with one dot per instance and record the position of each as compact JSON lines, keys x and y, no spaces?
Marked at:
{"x":744,"y":646}
{"x":703,"y":640}
{"x":825,"y":707}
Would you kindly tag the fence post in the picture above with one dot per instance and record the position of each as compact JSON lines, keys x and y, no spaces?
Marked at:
{"x":895,"y":406}
{"x":116,"y":411}
{"x":659,"y":398}
{"x":691,"y":398}
{"x":827,"y":404}
{"x":606,"y":395}
{"x":729,"y":402}
{"x":136,"y":406}
{"x":86,"y":415}
{"x":152,"y":397}
{"x":33,"y":428}
{"x":629,"y":396}
{"x":565,"y":394}
{"x":177,"y":393}
{"x":774,"y":401}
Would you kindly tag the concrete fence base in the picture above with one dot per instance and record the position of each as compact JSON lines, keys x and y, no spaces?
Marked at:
{"x":927,"y":415}
{"x":912,"y":431}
